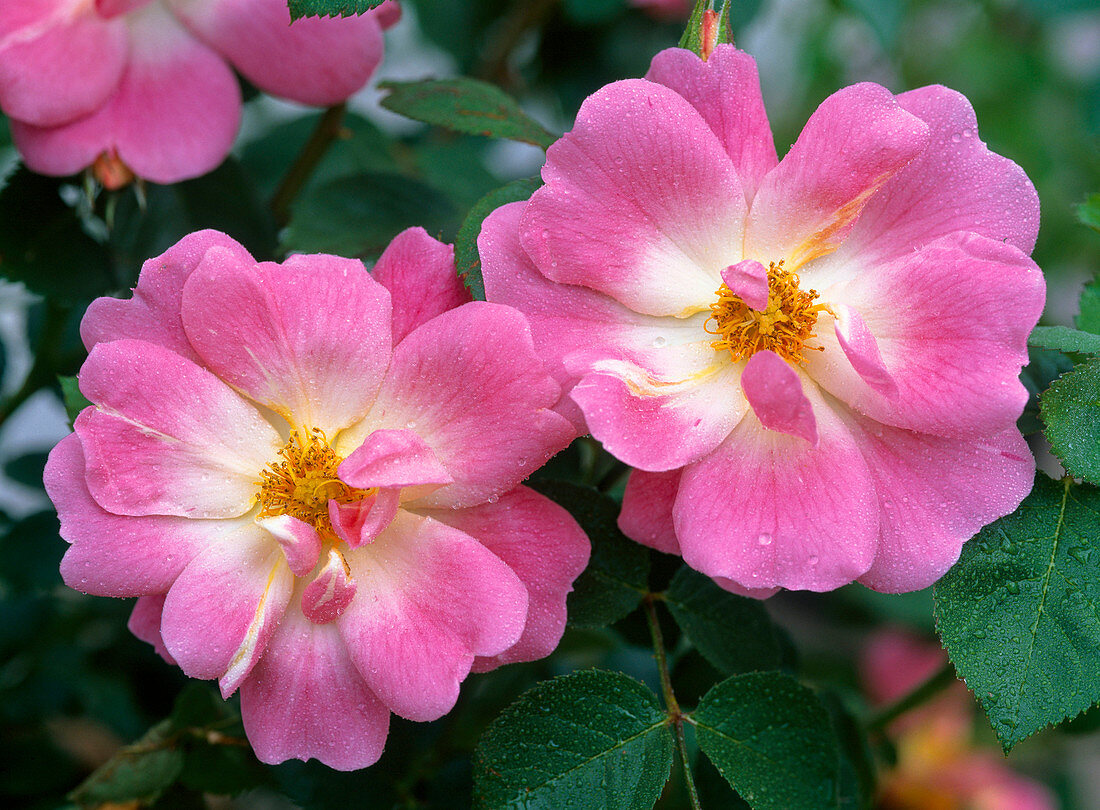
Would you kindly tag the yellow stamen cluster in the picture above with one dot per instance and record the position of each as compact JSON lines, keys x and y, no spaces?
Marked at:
{"x":302,"y":484}
{"x":784,"y":327}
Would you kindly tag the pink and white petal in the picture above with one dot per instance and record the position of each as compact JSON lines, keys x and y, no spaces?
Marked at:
{"x":309,"y":338}
{"x":774,"y":392}
{"x":59,"y":61}
{"x":951,"y":322}
{"x":853,"y":143}
{"x":740,"y":590}
{"x":392,"y":458}
{"x":168,"y":437}
{"x":305,"y":700}
{"x":641,"y":202}
{"x":934,"y":495}
{"x":655,"y":425}
{"x":331,"y":591}
{"x":646,"y":516}
{"x":469,"y":383}
{"x":725,"y":91}
{"x":317,"y":61}
{"x":113,"y":8}
{"x":546,"y":549}
{"x":861,"y":349}
{"x":767,"y":510}
{"x":115,"y":555}
{"x":431,"y":598}
{"x":359,"y":523}
{"x":145,"y":624}
{"x":153,"y":313}
{"x":955,"y":184}
{"x":748,"y":280}
{"x":224,"y":606}
{"x":420,"y":274}
{"x":300,"y":542}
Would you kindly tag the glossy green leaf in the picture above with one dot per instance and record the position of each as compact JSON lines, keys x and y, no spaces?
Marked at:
{"x":772,"y":739}
{"x":330,"y":8}
{"x":592,"y":739}
{"x":617,"y":575}
{"x":465,"y":105}
{"x":75,"y":401}
{"x":138,"y":772}
{"x":1088,"y":317}
{"x":1020,"y":612}
{"x":732,"y":632}
{"x":467,"y":258}
{"x":1088,"y":212}
{"x":1070,"y":409}
{"x":1064,"y":339}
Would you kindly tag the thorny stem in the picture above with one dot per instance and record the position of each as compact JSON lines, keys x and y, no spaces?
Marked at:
{"x":41,"y":373}
{"x":327,"y":130}
{"x":930,"y":688}
{"x":670,"y":698}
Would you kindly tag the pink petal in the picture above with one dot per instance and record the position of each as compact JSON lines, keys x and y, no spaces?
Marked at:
{"x":741,"y":590}
{"x":768,"y":510}
{"x":420,"y":274}
{"x":725,"y":91}
{"x":641,"y":202}
{"x":469,"y":384}
{"x":853,"y":143}
{"x":145,"y":624}
{"x":546,"y":549}
{"x":956,"y":184}
{"x":951,"y":322}
{"x":300,"y":542}
{"x":748,"y":280}
{"x":656,"y":425}
{"x":392,"y":458}
{"x":174,"y":116}
{"x":309,"y":338}
{"x":331,"y":591}
{"x":114,"y":555}
{"x":431,"y":598}
{"x":57,"y":62}
{"x":168,"y":437}
{"x":774,"y":391}
{"x":387,"y":14}
{"x":359,"y":523}
{"x":861,"y":349}
{"x":646,"y":516}
{"x":113,"y":8}
{"x":318,"y":61}
{"x":224,"y":606}
{"x":934,"y":495}
{"x":304,"y":699}
{"x":153,"y":313}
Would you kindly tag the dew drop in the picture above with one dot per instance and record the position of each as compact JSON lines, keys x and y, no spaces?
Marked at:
{"x":660,"y":341}
{"x":765,"y":539}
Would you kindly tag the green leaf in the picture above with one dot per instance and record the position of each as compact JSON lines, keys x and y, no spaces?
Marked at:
{"x":592,"y":739}
{"x":75,"y":401}
{"x":617,"y":575}
{"x":465,"y":105}
{"x":1070,"y":409}
{"x":591,"y":12}
{"x":26,"y":469}
{"x":773,"y":741}
{"x":692,"y":39}
{"x":1064,"y":339}
{"x":1088,"y":212}
{"x":733,"y":633}
{"x":138,"y":772}
{"x":330,"y":8}
{"x":43,"y":244}
{"x":467,"y":258}
{"x":1088,"y":319}
{"x":359,"y":215}
{"x":1020,"y":612}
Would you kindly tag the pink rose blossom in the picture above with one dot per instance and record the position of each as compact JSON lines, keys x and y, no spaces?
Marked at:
{"x":309,"y":474}
{"x":147,"y":85}
{"x":812,"y":363}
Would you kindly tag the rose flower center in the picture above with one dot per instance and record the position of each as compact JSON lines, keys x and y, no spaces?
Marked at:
{"x":784,"y":327}
{"x":302,"y":484}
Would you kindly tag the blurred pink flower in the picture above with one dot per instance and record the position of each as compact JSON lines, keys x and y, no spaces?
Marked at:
{"x":147,"y":85}
{"x":938,"y":765}
{"x":309,"y":475}
{"x":665,"y":9}
{"x":812,"y":363}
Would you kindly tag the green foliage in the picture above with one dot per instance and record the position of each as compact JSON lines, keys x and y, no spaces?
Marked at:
{"x":1018,"y":613}
{"x":467,"y":258}
{"x":138,"y":772}
{"x":733,"y":633}
{"x":75,"y":401}
{"x":465,"y":105}
{"x":330,"y":8}
{"x":772,"y":739}
{"x":1064,"y":339}
{"x":617,"y":576}
{"x":1088,"y":318}
{"x":1071,"y":413}
{"x":590,"y":739}
{"x":1088,"y":212}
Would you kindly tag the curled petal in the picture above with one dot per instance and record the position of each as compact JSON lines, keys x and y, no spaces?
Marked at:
{"x":300,"y":541}
{"x":774,"y":391}
{"x":331,"y":591}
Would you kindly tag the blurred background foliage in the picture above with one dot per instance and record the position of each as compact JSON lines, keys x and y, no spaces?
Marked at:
{"x":74,"y":685}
